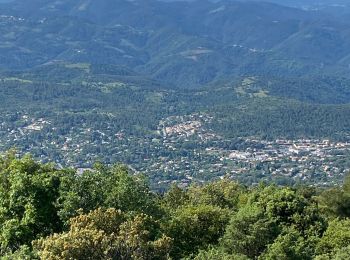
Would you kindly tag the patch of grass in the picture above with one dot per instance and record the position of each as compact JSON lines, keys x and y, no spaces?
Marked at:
{"x":18,"y":80}
{"x":82,"y":66}
{"x":261,"y":94}
{"x":155,"y":97}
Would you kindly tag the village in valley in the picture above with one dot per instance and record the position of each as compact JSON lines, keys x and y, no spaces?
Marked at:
{"x":183,"y":150}
{"x":256,"y":159}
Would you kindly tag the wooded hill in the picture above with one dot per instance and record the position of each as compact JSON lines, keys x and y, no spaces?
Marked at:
{"x":106,"y":213}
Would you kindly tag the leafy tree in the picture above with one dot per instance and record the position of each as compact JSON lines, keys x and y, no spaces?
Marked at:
{"x":249,"y":232}
{"x":290,"y":245}
{"x":23,"y":253}
{"x":223,"y":194}
{"x":129,"y":193}
{"x":28,"y":193}
{"x":269,"y":211}
{"x":108,"y":187}
{"x":288,"y":208}
{"x":337,"y":236}
{"x":103,"y":234}
{"x":174,"y":198}
{"x":335,"y":202}
{"x":217,"y":254}
{"x":81,"y":192}
{"x":76,"y":244}
{"x":195,"y":227}
{"x":338,"y":254}
{"x":108,"y":220}
{"x":138,"y":239}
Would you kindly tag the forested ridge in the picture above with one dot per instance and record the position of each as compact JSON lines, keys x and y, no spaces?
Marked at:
{"x":110,"y":213}
{"x":185,"y":44}
{"x":76,"y":114}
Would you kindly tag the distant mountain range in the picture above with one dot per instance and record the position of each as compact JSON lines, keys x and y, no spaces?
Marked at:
{"x":183,"y":44}
{"x":292,"y":3}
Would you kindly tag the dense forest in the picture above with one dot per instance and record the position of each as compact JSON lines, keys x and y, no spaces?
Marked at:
{"x":76,"y":114}
{"x":110,"y":213}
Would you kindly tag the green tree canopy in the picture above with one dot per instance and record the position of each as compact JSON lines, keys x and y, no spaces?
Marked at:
{"x":28,"y":195}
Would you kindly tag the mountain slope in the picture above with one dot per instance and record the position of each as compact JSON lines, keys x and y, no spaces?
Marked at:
{"x":183,"y":44}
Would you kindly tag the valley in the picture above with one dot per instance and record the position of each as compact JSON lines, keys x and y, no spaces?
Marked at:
{"x":186,"y":152}
{"x":174,"y":129}
{"x":86,"y":113}
{"x":184,"y":96}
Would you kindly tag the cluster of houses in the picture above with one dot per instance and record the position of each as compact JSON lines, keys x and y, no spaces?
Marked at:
{"x":183,"y":150}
